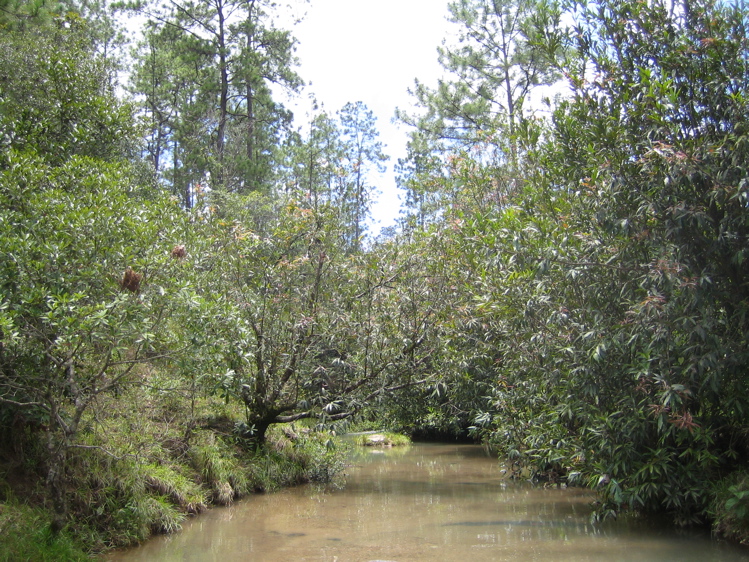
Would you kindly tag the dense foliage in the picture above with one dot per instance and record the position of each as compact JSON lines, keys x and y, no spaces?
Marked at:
{"x":610,"y":293}
{"x":181,"y":272}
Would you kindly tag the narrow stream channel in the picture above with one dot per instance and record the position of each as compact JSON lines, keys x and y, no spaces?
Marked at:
{"x":426,"y":502}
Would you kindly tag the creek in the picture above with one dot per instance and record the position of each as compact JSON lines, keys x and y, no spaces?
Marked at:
{"x":424,"y":502}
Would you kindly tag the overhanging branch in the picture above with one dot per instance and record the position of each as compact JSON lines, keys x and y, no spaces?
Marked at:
{"x":343,"y":415}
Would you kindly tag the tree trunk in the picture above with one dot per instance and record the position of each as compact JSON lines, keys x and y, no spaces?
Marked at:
{"x":223,"y":94}
{"x":261,"y":428}
{"x":56,"y":480}
{"x":251,"y":179}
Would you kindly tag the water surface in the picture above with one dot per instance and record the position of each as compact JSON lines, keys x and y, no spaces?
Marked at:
{"x":426,"y":502}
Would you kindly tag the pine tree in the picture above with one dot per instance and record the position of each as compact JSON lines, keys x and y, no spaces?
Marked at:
{"x":494,"y":67}
{"x":205,"y":71}
{"x":363,"y":154}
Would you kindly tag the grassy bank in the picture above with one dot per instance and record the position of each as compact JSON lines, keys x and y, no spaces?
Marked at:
{"x":139,"y":471}
{"x":384,"y":439}
{"x":25,"y":535}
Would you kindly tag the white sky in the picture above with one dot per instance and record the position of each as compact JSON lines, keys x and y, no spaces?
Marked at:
{"x":371,"y":51}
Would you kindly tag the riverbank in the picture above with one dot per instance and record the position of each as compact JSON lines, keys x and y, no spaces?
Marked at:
{"x":424,"y":502}
{"x":140,"y":472}
{"x":382,"y":439}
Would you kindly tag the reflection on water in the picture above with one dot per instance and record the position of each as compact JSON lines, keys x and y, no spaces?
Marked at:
{"x":428,"y":502}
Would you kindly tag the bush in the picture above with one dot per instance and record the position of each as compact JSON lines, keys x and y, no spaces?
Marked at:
{"x":730,"y":507}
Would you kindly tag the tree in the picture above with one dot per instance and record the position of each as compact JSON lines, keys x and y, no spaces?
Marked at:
{"x":81,"y":251}
{"x":312,"y":163}
{"x":277,"y":290}
{"x":209,"y":67}
{"x":496,"y":65}
{"x":421,"y":175}
{"x":265,"y":59}
{"x":619,"y":325}
{"x":312,"y":330}
{"x":81,"y":304}
{"x":334,"y":164}
{"x":59,"y":101}
{"x":172,"y":66}
{"x":19,"y":14}
{"x":480,"y":109}
{"x":362,"y":154}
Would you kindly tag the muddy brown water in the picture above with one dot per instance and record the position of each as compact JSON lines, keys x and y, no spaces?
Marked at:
{"x":426,"y":502}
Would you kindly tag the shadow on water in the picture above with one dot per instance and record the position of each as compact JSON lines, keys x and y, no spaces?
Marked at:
{"x":424,"y":502}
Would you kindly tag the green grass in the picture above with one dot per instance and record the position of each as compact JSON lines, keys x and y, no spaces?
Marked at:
{"x":384,"y":439}
{"x":148,"y":458}
{"x":25,"y":535}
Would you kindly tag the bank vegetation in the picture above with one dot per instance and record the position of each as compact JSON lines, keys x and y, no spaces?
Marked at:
{"x":191,"y":304}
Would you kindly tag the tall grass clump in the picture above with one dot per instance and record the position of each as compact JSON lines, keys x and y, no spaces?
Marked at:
{"x":167,"y":481}
{"x":293,"y":457}
{"x":218,"y":467}
{"x":122,"y":501}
